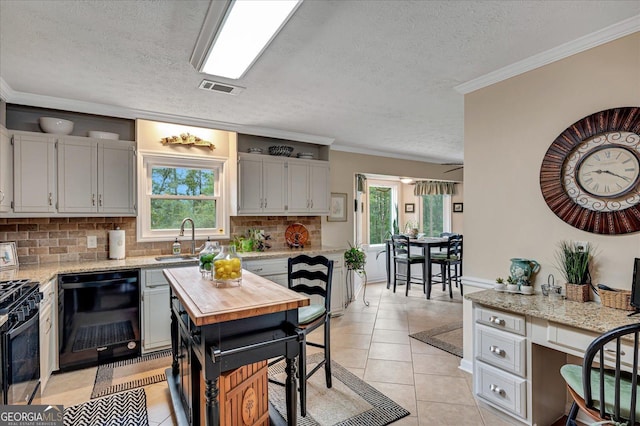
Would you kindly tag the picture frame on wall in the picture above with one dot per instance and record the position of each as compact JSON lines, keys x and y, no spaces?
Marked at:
{"x":338,"y":207}
{"x":409,"y":207}
{"x":8,"y":256}
{"x":457,"y":207}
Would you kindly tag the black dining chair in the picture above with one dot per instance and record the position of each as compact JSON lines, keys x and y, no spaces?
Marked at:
{"x":450,"y":263}
{"x":600,"y":386}
{"x":401,"y":251}
{"x":312,"y":276}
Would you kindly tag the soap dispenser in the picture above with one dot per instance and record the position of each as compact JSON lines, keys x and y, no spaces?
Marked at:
{"x":176,"y":247}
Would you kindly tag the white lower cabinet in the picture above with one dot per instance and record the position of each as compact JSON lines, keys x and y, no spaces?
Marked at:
{"x":48,"y":335}
{"x":275,"y":269}
{"x":500,"y":361}
{"x":155,"y":311}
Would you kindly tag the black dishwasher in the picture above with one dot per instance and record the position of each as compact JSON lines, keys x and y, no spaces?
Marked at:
{"x":99,"y":317}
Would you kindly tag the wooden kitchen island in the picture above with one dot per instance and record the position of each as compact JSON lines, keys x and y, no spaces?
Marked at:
{"x":219,"y":329}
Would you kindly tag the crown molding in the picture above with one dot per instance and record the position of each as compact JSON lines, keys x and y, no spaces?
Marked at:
{"x":605,"y":35}
{"x":388,"y":154}
{"x":41,"y":101}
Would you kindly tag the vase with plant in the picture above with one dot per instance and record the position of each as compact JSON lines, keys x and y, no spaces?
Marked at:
{"x":411,"y":228}
{"x":573,"y":262}
{"x":355,"y":259}
{"x":500,"y":285}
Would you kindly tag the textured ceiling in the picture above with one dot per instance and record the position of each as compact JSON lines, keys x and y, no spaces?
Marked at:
{"x":375,"y":76}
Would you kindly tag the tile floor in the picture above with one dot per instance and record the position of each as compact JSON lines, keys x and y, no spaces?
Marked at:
{"x":373,"y":343}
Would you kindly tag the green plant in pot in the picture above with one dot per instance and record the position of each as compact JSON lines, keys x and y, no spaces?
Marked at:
{"x":355,"y":259}
{"x":573,"y":263}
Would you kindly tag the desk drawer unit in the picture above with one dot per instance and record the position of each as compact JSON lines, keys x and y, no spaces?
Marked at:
{"x":500,"y":388}
{"x":503,"y":350}
{"x":500,"y":320}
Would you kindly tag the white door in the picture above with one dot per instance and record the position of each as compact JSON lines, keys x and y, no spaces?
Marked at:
{"x":6,"y":171}
{"x":116,"y":172}
{"x":34,"y":165}
{"x":77,"y":176}
{"x":298,"y":187}
{"x":273,"y":185}
{"x":250,"y":185}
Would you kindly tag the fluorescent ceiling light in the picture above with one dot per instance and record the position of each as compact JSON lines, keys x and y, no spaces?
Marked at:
{"x":243,"y":33}
{"x":406,"y":180}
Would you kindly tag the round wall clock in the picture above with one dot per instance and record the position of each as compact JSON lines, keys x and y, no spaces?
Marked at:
{"x":590,"y":175}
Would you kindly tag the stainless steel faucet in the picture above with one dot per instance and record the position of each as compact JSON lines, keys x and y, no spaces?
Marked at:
{"x":193,"y":233}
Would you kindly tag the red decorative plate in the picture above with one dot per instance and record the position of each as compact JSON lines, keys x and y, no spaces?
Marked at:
{"x":296,"y":235}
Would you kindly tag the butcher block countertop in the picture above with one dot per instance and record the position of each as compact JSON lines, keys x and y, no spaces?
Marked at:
{"x":208,"y":304}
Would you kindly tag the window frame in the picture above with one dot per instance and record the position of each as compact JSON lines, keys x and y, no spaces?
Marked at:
{"x":148,"y":160}
{"x":395,"y":189}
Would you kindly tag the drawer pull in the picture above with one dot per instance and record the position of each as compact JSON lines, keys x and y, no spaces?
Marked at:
{"x":496,"y":320}
{"x":496,"y":350}
{"x":497,"y":390}
{"x":613,"y":351}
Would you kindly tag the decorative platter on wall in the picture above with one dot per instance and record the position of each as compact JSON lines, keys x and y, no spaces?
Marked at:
{"x":296,"y":235}
{"x":590,"y":175}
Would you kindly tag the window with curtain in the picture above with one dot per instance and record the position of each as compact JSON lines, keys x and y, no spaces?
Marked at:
{"x":382,"y":214}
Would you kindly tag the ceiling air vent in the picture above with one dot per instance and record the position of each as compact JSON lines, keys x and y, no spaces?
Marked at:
{"x":215,"y":86}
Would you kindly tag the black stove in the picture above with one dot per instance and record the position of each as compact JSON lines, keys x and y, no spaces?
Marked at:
{"x":13,"y":292}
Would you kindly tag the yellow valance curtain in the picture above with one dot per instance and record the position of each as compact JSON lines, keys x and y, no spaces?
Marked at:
{"x":434,"y":187}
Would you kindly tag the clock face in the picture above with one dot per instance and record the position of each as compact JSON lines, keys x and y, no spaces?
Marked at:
{"x":590,"y":175}
{"x":608,"y":171}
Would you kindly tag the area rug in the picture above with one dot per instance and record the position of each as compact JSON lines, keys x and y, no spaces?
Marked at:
{"x":97,"y":335}
{"x":131,"y":373}
{"x":122,"y":409}
{"x":447,"y":337}
{"x":350,"y":401}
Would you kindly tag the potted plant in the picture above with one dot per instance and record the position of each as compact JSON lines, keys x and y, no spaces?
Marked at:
{"x":499,"y":285}
{"x":355,"y":259}
{"x":573,"y":262}
{"x":411,"y":228}
{"x":512,"y":284}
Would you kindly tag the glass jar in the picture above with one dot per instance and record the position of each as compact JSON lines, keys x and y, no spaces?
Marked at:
{"x":227,"y":266}
{"x":206,"y":256}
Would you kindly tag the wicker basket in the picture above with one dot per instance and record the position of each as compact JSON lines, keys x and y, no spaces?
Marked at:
{"x":619,"y":299}
{"x":577,"y":292}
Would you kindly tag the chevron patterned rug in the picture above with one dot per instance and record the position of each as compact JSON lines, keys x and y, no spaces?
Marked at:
{"x":120,"y":409}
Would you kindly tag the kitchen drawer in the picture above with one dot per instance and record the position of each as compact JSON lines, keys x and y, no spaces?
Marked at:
{"x":500,"y":320}
{"x":501,"y":349}
{"x":501,"y":388}
{"x":266,"y":267}
{"x":154,"y":278}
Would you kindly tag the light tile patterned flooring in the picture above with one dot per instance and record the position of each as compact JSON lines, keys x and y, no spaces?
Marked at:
{"x":373,"y":343}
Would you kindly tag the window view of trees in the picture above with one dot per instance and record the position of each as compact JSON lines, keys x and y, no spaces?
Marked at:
{"x":181,"y":192}
{"x":432,"y":215}
{"x":380,"y":214}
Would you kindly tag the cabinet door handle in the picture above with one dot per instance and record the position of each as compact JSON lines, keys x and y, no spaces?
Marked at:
{"x":496,"y":350}
{"x":496,"y":320}
{"x":257,"y":270}
{"x":496,"y":389}
{"x":100,"y":200}
{"x":1,"y":195}
{"x":613,"y":351}
{"x":265,"y":203}
{"x":50,"y":199}
{"x":311,"y":203}
{"x":93,"y":199}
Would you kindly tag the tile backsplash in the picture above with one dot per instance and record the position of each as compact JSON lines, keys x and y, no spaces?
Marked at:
{"x":55,"y":239}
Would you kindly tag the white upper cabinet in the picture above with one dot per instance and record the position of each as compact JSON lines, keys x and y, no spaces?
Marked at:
{"x":6,"y":171}
{"x":308,"y":187}
{"x":96,"y":176}
{"x":34,"y":165}
{"x":262,"y":184}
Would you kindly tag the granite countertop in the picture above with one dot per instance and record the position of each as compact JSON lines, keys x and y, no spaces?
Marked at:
{"x":590,"y":316}
{"x":46,"y":271}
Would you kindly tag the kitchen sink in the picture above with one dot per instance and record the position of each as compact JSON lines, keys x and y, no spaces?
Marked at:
{"x":176,"y":257}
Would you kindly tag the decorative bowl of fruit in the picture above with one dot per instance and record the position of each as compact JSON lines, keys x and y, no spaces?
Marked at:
{"x":227,"y":267}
